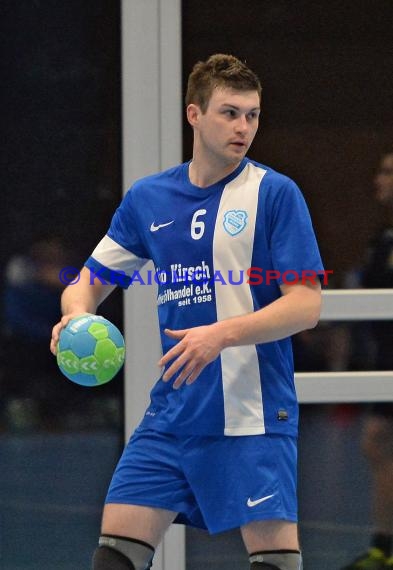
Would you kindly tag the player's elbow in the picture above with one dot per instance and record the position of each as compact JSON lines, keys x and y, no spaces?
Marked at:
{"x":310,"y":307}
{"x":312,"y":315}
{"x":306,"y":301}
{"x":313,"y":320}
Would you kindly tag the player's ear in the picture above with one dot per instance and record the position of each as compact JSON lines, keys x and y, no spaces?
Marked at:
{"x":193,"y":113}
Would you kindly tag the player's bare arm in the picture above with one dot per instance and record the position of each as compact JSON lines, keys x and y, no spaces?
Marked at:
{"x":82,"y":297}
{"x":298,"y":309}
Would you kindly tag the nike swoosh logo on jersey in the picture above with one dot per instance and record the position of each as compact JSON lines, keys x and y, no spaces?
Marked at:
{"x":251,"y":503}
{"x":154,"y":228}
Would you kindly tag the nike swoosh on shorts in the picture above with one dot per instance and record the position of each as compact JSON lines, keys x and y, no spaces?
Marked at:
{"x":251,"y":503}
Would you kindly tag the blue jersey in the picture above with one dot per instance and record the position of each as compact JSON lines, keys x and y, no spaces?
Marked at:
{"x":203,"y":242}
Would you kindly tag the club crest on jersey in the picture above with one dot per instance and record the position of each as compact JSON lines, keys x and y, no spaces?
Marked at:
{"x":235,"y":221}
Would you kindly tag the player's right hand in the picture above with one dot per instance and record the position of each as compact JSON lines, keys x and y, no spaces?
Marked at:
{"x":58,"y":328}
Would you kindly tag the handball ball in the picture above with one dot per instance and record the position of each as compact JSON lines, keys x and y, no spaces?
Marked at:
{"x":90,"y":350}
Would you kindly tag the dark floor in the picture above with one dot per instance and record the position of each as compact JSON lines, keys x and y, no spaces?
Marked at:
{"x":52,"y":487}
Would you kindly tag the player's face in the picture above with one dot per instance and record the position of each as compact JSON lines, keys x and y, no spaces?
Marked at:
{"x":384,"y":180}
{"x":224,"y":133}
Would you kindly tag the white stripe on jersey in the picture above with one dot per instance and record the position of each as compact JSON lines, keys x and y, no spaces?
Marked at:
{"x":243,"y":400}
{"x":111,"y":254}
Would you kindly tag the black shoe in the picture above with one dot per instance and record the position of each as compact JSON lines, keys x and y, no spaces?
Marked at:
{"x":373,"y":559}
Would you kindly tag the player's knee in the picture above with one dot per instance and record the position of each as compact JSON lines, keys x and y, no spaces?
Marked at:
{"x":276,"y":560}
{"x":267,"y":566}
{"x":106,"y":558}
{"x":120,"y":553}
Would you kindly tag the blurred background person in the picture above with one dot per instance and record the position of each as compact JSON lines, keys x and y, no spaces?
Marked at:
{"x":34,"y":394}
{"x":377,"y":436}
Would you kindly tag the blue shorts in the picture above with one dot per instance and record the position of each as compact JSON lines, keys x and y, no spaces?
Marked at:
{"x":215,"y":483}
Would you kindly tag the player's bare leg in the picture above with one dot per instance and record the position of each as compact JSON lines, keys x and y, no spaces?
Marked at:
{"x":129,"y":536}
{"x":272,"y":545}
{"x":377,"y":444}
{"x":143,"y":523}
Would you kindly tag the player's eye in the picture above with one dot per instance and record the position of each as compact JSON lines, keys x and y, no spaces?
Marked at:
{"x":230,"y":112}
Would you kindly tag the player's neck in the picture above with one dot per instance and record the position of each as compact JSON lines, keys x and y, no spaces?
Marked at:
{"x":204,"y":174}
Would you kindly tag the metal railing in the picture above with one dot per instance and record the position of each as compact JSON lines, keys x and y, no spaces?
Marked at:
{"x":370,"y":386}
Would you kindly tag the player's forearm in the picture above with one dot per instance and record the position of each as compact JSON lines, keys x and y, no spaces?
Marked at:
{"x":84,"y":296}
{"x":286,"y":316}
{"x":75,"y":300}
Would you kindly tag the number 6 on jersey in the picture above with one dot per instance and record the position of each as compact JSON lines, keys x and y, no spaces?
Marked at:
{"x":197,"y":227}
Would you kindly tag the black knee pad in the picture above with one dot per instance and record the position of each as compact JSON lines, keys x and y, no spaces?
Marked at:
{"x":276,"y":560}
{"x":121,"y":553}
{"x":106,"y":558}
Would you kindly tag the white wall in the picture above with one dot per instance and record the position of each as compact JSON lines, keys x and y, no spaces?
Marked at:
{"x":152,"y":126}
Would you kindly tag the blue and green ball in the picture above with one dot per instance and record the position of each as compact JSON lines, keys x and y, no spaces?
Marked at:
{"x":90,"y":350}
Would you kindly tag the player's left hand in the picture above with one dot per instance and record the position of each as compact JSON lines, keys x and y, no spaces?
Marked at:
{"x":196,"y":348}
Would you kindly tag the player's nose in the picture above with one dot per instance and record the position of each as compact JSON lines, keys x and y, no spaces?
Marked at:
{"x":241,"y":125}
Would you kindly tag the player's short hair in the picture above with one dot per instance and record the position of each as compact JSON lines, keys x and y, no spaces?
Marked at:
{"x":220,"y":70}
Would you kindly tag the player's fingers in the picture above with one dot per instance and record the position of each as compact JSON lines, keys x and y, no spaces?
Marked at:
{"x":65,"y":319}
{"x":194,"y":374}
{"x":175,"y":367}
{"x":171,"y":354}
{"x":176,"y":333}
{"x":57,"y":330}
{"x":188,"y":375}
{"x":55,"y":337}
{"x":184,"y":375}
{"x":172,"y":370}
